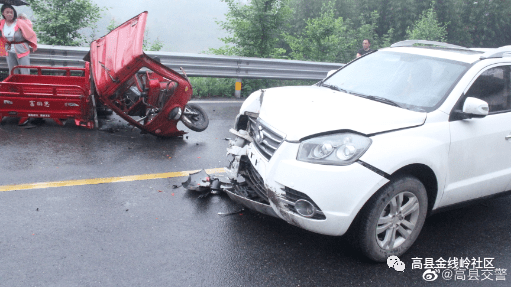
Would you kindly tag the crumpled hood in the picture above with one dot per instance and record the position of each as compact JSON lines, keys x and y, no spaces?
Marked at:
{"x":303,"y":111}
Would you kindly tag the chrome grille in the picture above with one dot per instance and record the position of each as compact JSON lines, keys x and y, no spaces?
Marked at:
{"x":253,"y":180}
{"x":267,"y":140}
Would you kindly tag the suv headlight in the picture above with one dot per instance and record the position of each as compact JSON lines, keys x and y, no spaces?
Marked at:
{"x":336,"y":149}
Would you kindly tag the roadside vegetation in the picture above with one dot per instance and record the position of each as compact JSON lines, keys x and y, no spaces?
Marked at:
{"x":333,"y":30}
{"x":62,"y":22}
{"x":320,"y":30}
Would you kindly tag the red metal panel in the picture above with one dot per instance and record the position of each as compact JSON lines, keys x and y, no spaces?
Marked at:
{"x":114,"y":57}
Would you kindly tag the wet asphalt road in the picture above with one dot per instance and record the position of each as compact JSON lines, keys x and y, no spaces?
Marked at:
{"x":147,"y":233}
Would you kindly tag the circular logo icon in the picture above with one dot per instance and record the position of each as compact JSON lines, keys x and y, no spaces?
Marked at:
{"x":429,"y":275}
{"x":392,"y":260}
{"x":399,"y":266}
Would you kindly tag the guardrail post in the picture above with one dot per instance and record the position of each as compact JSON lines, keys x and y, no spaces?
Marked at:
{"x":238,"y":88}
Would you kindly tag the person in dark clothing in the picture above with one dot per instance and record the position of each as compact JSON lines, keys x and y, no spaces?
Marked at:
{"x":365,"y":49}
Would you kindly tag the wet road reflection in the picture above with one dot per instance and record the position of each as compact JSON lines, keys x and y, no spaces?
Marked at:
{"x":148,"y":233}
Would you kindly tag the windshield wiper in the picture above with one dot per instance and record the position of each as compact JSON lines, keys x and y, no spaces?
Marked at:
{"x":333,"y":87}
{"x":379,"y":99}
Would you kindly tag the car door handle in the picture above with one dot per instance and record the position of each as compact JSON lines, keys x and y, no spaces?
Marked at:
{"x":507,"y":137}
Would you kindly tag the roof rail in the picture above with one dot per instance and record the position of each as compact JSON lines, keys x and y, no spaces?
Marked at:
{"x":410,"y":43}
{"x":497,"y":53}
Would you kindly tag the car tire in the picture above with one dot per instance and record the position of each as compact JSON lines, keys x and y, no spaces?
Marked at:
{"x":392,"y":219}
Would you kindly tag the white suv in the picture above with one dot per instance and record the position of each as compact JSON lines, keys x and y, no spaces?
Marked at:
{"x":378,"y":144}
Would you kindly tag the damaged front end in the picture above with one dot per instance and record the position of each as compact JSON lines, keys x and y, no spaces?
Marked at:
{"x":249,"y":155}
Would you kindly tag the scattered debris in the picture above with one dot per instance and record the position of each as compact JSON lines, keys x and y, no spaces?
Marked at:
{"x":215,"y":185}
{"x":199,"y":181}
{"x":202,"y":182}
{"x":231,"y":213}
{"x":204,"y":195}
{"x":227,"y":139}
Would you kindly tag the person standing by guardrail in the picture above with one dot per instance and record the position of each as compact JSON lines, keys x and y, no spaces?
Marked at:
{"x":19,"y":38}
{"x":365,"y":49}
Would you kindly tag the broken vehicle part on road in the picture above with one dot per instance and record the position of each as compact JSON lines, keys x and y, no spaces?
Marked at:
{"x":202,"y":182}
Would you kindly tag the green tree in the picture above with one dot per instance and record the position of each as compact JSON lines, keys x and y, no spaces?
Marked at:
{"x":394,"y":15}
{"x":325,"y":38}
{"x":254,"y":27}
{"x":61,"y":22}
{"x":334,"y":39}
{"x":112,"y":25}
{"x":427,"y":27}
{"x":155,"y":45}
{"x":475,"y":23}
{"x":480,"y":23}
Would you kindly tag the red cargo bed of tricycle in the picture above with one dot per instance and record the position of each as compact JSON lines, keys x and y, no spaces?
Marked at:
{"x":61,"y":96}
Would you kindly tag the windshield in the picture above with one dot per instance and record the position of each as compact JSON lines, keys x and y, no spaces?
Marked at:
{"x":410,"y":81}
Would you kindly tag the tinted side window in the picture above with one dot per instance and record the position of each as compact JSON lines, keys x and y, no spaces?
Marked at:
{"x":493,"y":86}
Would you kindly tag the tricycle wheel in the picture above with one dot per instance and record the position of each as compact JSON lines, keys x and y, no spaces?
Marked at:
{"x":195,"y":118}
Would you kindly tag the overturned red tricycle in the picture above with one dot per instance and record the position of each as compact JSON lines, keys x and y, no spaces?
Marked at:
{"x":118,"y":76}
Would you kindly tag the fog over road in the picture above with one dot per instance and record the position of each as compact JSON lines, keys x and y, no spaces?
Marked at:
{"x":186,"y":26}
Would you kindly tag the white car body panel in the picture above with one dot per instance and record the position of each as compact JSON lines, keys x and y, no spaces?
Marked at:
{"x":485,"y":170}
{"x":427,"y":145}
{"x":251,"y":104}
{"x":289,"y":110}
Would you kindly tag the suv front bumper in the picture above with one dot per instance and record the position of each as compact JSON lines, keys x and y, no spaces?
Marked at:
{"x":336,"y":192}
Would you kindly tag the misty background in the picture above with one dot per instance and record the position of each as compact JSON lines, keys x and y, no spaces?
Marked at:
{"x":186,"y":26}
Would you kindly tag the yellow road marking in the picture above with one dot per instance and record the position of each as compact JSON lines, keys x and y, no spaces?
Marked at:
{"x":104,"y":180}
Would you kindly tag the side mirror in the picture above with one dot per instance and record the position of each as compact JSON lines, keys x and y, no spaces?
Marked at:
{"x":330,"y":73}
{"x":475,"y":108}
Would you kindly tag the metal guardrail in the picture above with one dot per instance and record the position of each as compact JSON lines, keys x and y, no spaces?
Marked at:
{"x":197,"y":65}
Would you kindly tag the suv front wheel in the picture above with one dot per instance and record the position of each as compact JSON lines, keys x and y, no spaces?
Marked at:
{"x":392,"y":219}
